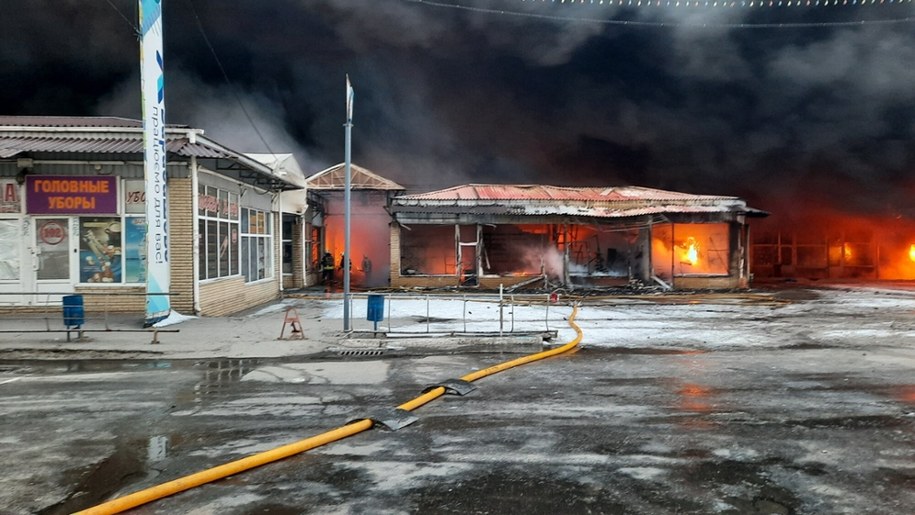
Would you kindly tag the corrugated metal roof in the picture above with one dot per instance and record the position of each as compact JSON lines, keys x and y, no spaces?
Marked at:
{"x":72,"y":121}
{"x":122,"y":144}
{"x":579,"y":210}
{"x":333,"y":178}
{"x":544,"y":200}
{"x":72,"y":136}
{"x":529,"y":192}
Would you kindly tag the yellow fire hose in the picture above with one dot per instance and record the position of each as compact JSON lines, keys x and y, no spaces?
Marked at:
{"x":181,"y":484}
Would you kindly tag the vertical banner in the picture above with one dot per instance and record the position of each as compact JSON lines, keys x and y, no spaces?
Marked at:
{"x":152,"y":83}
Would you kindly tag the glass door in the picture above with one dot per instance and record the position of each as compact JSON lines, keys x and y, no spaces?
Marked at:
{"x":51,"y":252}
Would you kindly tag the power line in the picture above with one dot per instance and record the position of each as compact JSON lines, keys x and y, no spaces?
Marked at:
{"x":687,"y":3}
{"x":133,"y":26}
{"x":226,"y":77}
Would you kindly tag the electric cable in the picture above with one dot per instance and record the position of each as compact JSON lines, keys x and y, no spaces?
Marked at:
{"x":133,"y":26}
{"x":225,"y":76}
{"x":657,"y":24}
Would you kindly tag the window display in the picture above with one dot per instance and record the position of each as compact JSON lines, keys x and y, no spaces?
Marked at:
{"x":100,"y":250}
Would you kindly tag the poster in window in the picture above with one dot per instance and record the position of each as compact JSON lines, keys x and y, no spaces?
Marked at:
{"x":135,"y":250}
{"x":100,"y":250}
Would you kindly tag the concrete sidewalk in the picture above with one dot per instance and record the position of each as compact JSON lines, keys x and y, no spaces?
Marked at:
{"x":252,"y":334}
{"x":118,"y":336}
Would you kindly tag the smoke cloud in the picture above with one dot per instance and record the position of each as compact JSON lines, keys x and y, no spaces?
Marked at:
{"x":543,"y":94}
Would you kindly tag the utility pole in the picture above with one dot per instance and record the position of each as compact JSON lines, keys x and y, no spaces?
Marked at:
{"x":346,"y":201}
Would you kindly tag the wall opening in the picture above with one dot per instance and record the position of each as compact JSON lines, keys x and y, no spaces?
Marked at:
{"x":690,"y":250}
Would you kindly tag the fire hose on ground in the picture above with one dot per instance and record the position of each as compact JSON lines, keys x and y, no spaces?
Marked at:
{"x":181,"y":484}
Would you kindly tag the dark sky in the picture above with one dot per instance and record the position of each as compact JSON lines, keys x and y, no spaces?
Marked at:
{"x":784,"y":115}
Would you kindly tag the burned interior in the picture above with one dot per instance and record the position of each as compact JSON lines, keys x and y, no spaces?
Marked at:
{"x":825,"y":244}
{"x":545,"y":236}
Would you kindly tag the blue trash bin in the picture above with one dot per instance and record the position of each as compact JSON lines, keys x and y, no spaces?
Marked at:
{"x":375,"y":311}
{"x":74,"y":314}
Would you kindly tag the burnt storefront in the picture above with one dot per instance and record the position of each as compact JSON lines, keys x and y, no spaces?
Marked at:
{"x":827,"y":244}
{"x":545,"y":236}
{"x":369,"y":225}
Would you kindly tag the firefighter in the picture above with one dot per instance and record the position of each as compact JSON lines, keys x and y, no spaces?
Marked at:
{"x":327,"y":267}
{"x":367,"y":267}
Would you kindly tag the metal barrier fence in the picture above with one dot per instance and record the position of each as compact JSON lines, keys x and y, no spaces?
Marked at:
{"x":535,"y":315}
{"x":71,"y":311}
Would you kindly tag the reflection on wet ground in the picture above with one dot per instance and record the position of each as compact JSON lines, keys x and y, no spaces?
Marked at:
{"x":219,"y":375}
{"x":602,"y":430}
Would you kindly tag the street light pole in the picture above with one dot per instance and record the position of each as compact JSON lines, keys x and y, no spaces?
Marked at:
{"x":346,"y":201}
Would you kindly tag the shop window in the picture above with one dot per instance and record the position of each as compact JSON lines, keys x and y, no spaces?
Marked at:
{"x":217,"y":233}
{"x":289,"y":225}
{"x":9,"y":250}
{"x":135,"y":249}
{"x":100,"y":250}
{"x":256,"y":245}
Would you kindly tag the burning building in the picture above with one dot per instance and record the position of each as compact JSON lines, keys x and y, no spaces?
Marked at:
{"x":823,"y":243}
{"x":369,"y":224}
{"x":492,"y":234}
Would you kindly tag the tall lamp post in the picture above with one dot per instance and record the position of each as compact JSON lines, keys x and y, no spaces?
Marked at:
{"x":346,"y":202}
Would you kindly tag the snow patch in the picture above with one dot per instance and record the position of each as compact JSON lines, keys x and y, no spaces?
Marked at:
{"x":173,"y":318}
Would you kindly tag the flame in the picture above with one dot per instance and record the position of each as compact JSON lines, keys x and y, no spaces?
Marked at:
{"x":846,"y":250}
{"x":692,"y":251}
{"x":912,"y":252}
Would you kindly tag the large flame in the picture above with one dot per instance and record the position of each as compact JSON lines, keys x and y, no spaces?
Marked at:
{"x":912,"y":252}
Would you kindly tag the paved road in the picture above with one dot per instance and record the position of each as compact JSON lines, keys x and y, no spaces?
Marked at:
{"x":798,"y":428}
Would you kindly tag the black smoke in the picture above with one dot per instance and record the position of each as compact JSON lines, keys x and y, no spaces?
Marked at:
{"x":546,"y":93}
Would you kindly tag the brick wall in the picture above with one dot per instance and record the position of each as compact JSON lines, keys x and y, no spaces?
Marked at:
{"x":114,"y":299}
{"x":181,"y":241}
{"x":298,"y":257}
{"x":395,"y":255}
{"x":223,"y":297}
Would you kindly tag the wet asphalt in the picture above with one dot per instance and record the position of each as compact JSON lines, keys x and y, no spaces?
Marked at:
{"x":796,"y":428}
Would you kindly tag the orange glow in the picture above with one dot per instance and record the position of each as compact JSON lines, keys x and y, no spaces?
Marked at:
{"x":692,"y":251}
{"x":906,"y":394}
{"x":820,"y":242}
{"x":369,"y":237}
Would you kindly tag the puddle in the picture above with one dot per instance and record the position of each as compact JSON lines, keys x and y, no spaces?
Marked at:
{"x":80,"y":366}
{"x":650,"y":351}
{"x":511,"y":491}
{"x":132,"y":461}
{"x":861,"y":422}
{"x":328,"y":372}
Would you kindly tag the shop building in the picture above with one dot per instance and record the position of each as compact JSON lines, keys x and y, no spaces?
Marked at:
{"x":493,"y":235}
{"x":72,"y":217}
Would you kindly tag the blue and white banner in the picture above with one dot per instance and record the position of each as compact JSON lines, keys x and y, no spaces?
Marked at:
{"x":152,"y":83}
